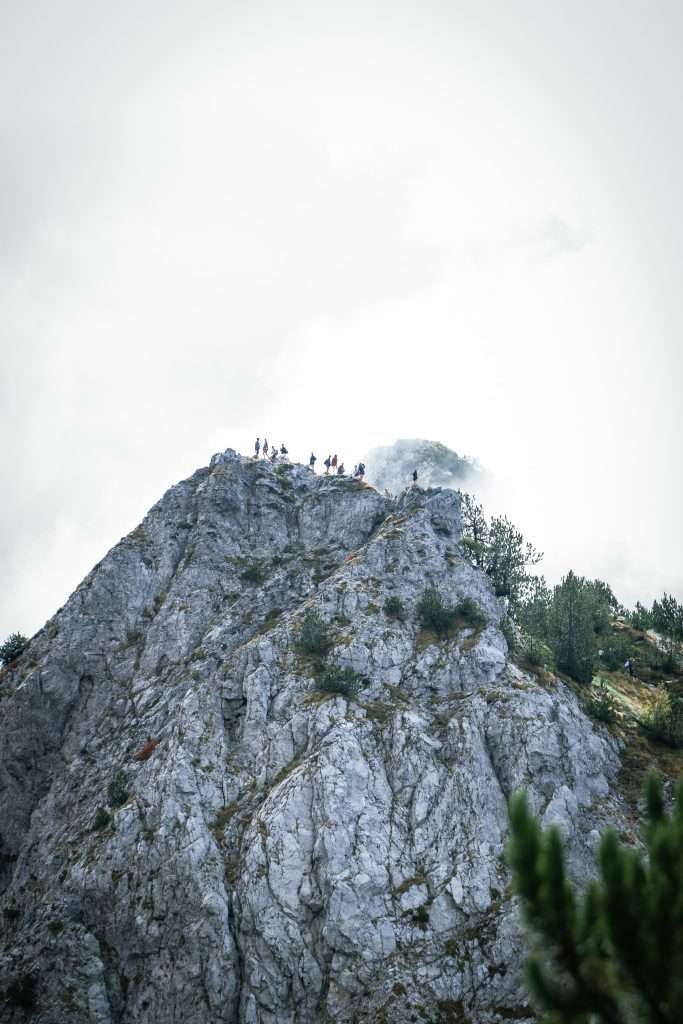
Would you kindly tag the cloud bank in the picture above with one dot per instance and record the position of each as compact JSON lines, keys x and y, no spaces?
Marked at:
{"x":340,"y":227}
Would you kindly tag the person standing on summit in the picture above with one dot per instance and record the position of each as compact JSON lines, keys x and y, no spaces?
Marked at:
{"x":311,"y":462}
{"x":327,"y":463}
{"x":265,"y":447}
{"x":257,"y":447}
{"x":334,"y":461}
{"x":414,"y":477}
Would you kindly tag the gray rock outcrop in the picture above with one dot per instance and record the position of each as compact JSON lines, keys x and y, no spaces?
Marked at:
{"x":390,"y":467}
{"x":192,"y":831}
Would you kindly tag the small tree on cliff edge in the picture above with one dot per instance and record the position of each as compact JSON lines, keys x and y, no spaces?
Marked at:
{"x":13,"y":646}
{"x":499,"y":549}
{"x":614,"y":955}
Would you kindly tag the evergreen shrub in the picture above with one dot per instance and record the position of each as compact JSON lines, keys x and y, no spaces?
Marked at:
{"x":21,"y":992}
{"x":102,"y":819}
{"x":664,"y":720}
{"x":393,"y":607}
{"x":313,"y":638}
{"x":13,"y":646}
{"x":117,"y":790}
{"x":434,"y":614}
{"x":335,"y":679}
{"x":469,"y":612}
{"x":252,"y":573}
{"x":601,"y":705}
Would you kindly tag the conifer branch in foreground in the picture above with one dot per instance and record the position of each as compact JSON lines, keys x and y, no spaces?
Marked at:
{"x":613,"y":955}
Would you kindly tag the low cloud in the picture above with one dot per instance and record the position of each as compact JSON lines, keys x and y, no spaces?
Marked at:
{"x":549,"y":238}
{"x":213,"y":227}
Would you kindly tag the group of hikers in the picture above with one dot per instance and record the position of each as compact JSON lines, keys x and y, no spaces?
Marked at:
{"x":273,"y":450}
{"x":332,"y":463}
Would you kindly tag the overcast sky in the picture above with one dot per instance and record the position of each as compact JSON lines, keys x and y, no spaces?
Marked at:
{"x":340,"y":224}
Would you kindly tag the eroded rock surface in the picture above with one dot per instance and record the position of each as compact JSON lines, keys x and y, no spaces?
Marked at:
{"x":282,"y":855}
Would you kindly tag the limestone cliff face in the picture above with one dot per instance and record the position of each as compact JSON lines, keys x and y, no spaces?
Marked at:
{"x":282,"y":854}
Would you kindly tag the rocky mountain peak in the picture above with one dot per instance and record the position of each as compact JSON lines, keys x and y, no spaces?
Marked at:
{"x":203,"y":819}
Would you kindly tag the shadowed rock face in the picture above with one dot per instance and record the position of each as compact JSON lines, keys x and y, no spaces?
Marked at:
{"x":283,"y":854}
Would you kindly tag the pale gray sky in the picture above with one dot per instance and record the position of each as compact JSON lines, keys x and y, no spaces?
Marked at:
{"x":339,"y":224}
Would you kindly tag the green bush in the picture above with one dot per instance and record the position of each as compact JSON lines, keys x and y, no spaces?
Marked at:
{"x":469,"y":611}
{"x":313,"y":638}
{"x":420,"y":917}
{"x":335,"y":679}
{"x":393,"y":607}
{"x":271,"y":618}
{"x":102,"y":819}
{"x":117,"y":790}
{"x":22,"y":992}
{"x":13,"y":646}
{"x":434,"y":614}
{"x":602,"y":705}
{"x":664,"y":720}
{"x":253,"y":573}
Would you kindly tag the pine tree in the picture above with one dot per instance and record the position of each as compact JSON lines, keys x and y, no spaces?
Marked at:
{"x":615,"y":954}
{"x":604,"y":605}
{"x":507,"y":559}
{"x":475,"y":529}
{"x":533,"y":617}
{"x":13,"y":646}
{"x":499,"y":549}
{"x":667,"y":618}
{"x":570,"y":627}
{"x":640,"y":617}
